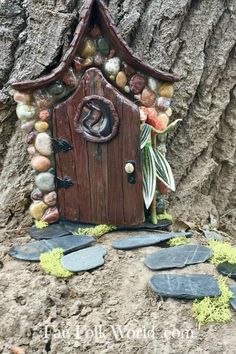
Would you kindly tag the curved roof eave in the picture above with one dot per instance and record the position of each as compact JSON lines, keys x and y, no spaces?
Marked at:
{"x":113,"y":35}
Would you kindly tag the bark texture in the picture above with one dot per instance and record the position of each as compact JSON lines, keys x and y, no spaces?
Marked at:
{"x":195,"y":39}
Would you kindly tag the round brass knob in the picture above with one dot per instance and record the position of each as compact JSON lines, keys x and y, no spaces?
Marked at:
{"x":129,"y":168}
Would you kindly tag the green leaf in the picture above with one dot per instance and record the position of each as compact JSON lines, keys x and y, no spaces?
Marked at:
{"x":145,"y":134}
{"x":163,"y":170}
{"x":149,"y":175}
{"x":168,"y":129}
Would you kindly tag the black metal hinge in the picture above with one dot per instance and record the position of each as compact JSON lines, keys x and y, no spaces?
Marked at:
{"x":61,"y":145}
{"x":63,"y":183}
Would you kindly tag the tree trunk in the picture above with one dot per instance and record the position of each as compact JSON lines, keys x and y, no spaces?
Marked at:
{"x":195,"y":39}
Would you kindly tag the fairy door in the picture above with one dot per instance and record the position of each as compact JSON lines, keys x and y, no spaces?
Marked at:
{"x":99,"y":174}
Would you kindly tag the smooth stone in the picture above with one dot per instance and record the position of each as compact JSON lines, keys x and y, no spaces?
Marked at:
{"x":148,"y":98}
{"x":112,"y":66}
{"x":29,"y":139}
{"x":227,"y":269}
{"x":43,"y":144}
{"x":87,"y":62}
{"x":36,"y":194}
{"x":40,"y":163}
{"x":127,"y":89}
{"x":121,"y":79}
{"x":41,"y":126}
{"x":77,"y":64}
{"x":103,"y":46}
{"x":233,"y":300}
{"x":168,"y":112}
{"x":166,"y":90}
{"x":69,"y":78}
{"x":51,"y":231}
{"x":112,"y":53}
{"x":42,"y":100}
{"x":152,"y":84}
{"x":27,"y":127}
{"x":32,"y":251}
{"x":88,"y":49}
{"x":163,"y":103}
{"x":84,"y":260}
{"x":193,"y":286}
{"x":20,"y":97}
{"x":137,"y":83}
{"x":31,"y":150}
{"x":45,"y":182}
{"x":149,"y":239}
{"x":128,"y":70}
{"x":56,"y":89}
{"x":50,"y":199}
{"x":95,"y":32}
{"x":177,"y":257}
{"x":25,"y":112}
{"x":37,"y":209}
{"x":51,"y":215}
{"x":99,"y":59}
{"x":44,"y":114}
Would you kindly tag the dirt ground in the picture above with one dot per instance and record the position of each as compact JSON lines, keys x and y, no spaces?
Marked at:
{"x":109,"y":310}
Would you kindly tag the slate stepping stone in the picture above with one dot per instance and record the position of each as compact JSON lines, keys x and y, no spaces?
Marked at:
{"x":177,"y":257}
{"x":149,"y":239}
{"x":51,"y":231}
{"x":83,"y":260}
{"x":227,"y":269}
{"x":213,"y":235}
{"x":161,"y":225}
{"x":193,"y":286}
{"x":233,"y":300}
{"x":71,"y":226}
{"x":32,"y":251}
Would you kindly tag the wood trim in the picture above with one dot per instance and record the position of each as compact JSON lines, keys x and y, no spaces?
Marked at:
{"x":116,"y":39}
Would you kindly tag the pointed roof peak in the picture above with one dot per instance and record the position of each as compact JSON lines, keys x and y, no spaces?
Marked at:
{"x":102,"y":17}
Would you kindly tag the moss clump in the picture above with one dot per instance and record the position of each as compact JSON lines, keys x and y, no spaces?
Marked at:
{"x":51,"y":263}
{"x":222,"y":252}
{"x":164,"y":216}
{"x":96,"y":231}
{"x":216,"y":309}
{"x":177,"y":241}
{"x":40,"y":224}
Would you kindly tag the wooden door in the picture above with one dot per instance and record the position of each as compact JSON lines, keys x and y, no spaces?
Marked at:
{"x":103,"y":128}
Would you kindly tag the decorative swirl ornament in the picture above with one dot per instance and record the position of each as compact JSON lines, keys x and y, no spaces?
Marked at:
{"x":96,"y":119}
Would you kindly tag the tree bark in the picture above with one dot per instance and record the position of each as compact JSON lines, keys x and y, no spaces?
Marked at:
{"x":195,"y":39}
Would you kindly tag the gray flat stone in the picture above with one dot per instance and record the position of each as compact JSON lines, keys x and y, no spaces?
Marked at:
{"x":83,"y":260}
{"x":51,"y":231}
{"x":213,"y":235}
{"x":32,"y":251}
{"x":233,"y":300}
{"x":227,"y":269}
{"x":192,"y":286}
{"x":177,"y":257}
{"x":150,"y":239}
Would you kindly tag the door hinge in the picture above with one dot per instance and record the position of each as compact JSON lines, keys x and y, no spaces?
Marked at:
{"x":61,"y":145}
{"x":64,"y":183}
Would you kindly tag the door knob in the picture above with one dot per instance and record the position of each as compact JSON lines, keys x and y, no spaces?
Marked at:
{"x":129,"y":168}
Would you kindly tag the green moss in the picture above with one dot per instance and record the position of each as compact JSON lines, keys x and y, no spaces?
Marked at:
{"x":39,"y":224}
{"x":96,"y":231}
{"x":222,"y":252}
{"x":216,"y":309}
{"x":164,"y":216}
{"x":177,"y":241}
{"x":51,"y":263}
